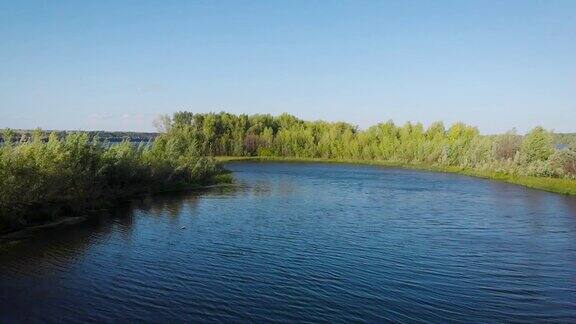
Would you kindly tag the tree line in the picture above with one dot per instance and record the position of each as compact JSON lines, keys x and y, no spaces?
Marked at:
{"x":25,"y":135}
{"x":459,"y":145}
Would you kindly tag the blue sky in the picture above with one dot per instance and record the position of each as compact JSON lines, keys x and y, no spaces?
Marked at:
{"x":115,"y":65}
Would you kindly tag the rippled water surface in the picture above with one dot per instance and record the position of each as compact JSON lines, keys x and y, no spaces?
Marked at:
{"x":307,"y":242}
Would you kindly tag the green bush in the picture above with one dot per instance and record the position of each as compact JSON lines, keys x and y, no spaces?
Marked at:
{"x":565,"y":162}
{"x":44,"y":180}
{"x":537,"y":146}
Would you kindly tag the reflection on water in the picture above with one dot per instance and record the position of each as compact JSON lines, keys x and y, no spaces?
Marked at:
{"x":307,"y":242}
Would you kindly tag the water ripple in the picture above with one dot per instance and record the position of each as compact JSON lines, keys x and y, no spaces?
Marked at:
{"x":307,"y":243}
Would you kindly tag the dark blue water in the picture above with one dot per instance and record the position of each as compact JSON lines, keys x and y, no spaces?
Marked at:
{"x":308,"y":243}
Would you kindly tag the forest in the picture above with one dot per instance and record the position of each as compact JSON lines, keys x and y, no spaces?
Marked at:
{"x":458,"y":145}
{"x":43,"y":180}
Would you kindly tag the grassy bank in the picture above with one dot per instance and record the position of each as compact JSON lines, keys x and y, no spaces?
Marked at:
{"x":557,"y":185}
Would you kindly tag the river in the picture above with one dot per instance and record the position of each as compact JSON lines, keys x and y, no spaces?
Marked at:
{"x":307,"y":242}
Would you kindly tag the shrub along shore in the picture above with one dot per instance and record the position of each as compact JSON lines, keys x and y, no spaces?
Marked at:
{"x":43,"y":181}
{"x":531,"y":160}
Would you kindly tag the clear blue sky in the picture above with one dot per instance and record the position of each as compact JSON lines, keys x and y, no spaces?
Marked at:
{"x":114,"y":65}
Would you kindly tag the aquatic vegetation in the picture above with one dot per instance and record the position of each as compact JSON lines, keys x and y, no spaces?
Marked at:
{"x":42,"y":180}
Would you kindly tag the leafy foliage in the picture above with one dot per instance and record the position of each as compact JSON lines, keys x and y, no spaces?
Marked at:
{"x":459,"y":145}
{"x":44,"y":179}
{"x":537,"y":146}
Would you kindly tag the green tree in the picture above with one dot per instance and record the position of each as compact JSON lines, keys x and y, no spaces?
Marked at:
{"x":537,"y":146}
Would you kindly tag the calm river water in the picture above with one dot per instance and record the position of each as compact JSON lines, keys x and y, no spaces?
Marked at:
{"x":307,"y":242}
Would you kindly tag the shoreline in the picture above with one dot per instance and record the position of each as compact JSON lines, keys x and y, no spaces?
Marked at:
{"x":17,"y":235}
{"x":554,"y":185}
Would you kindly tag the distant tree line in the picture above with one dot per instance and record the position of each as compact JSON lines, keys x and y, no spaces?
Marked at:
{"x":460,"y":145}
{"x":564,"y":139}
{"x":24,"y":135}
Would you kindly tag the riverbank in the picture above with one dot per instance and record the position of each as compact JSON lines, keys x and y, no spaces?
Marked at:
{"x":556,"y":185}
{"x":16,"y":234}
{"x":44,"y":181}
